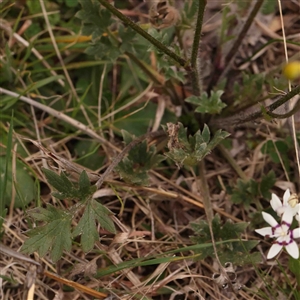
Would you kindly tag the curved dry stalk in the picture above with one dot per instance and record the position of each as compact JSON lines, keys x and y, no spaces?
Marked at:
{"x":22,"y":41}
{"x":58,"y":54}
{"x":243,"y":117}
{"x":238,"y":42}
{"x":61,"y":116}
{"x":291,"y":122}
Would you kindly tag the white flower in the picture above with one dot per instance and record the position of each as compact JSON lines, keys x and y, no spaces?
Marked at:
{"x":290,"y":202}
{"x":283,"y":234}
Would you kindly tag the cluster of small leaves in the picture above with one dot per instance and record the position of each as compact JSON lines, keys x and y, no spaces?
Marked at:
{"x":164,"y":63}
{"x":228,"y":22}
{"x":140,"y":160}
{"x":207,"y":105}
{"x":190,"y":150}
{"x":236,"y":252}
{"x":247,"y":192}
{"x":97,"y":21}
{"x":55,"y":232}
{"x":249,"y":90}
{"x":111,"y":38}
{"x":189,"y":11}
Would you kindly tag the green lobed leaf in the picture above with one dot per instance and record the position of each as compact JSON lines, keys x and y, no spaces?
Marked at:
{"x":85,"y":188}
{"x":103,"y":214}
{"x":211,"y":105}
{"x":140,"y":160}
{"x":266,"y":184}
{"x":59,"y":182}
{"x":217,"y":138}
{"x":87,"y":225}
{"x":66,"y":189}
{"x":190,"y":150}
{"x":245,"y":192}
{"x":53,"y":236}
{"x":206,"y":134}
{"x":235,"y":252}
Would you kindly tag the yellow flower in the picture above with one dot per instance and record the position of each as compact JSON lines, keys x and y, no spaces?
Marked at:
{"x":292,"y":70}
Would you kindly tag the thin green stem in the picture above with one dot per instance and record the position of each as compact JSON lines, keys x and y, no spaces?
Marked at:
{"x":195,"y":49}
{"x":145,"y":35}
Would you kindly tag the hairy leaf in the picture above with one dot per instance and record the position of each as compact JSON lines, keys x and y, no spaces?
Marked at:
{"x":235,"y":252}
{"x":190,"y":150}
{"x":54,"y":235}
{"x":211,"y":105}
{"x":140,"y":160}
{"x":87,"y":226}
{"x":66,"y":189}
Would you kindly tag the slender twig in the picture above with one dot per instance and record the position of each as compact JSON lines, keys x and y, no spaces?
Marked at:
{"x":204,"y":189}
{"x":62,"y":64}
{"x":232,"y":162}
{"x":195,"y":74}
{"x":243,"y":118}
{"x":285,"y":98}
{"x":12,"y":253}
{"x":61,"y":116}
{"x":287,"y":115}
{"x":145,"y":35}
{"x":234,"y":49}
{"x":28,"y":45}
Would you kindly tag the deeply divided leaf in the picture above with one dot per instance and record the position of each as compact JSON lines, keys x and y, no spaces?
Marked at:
{"x":189,"y":150}
{"x":208,"y":104}
{"x":140,"y":160}
{"x":87,"y":225}
{"x":236,"y":252}
{"x":54,"y":235}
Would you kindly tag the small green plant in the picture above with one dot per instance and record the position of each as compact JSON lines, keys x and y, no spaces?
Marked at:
{"x":54,"y":233}
{"x":208,"y":105}
{"x":247,"y":192}
{"x":140,"y":160}
{"x":83,"y":86}
{"x":234,"y":252}
{"x":184,"y":150}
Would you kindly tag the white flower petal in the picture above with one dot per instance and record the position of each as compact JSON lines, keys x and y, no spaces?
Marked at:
{"x":275,"y":202}
{"x":297,"y":209}
{"x":264,"y":231}
{"x":269,"y":219}
{"x":286,"y":197}
{"x":296,"y":233}
{"x":274,"y":250}
{"x":287,"y":216}
{"x":293,"y":250}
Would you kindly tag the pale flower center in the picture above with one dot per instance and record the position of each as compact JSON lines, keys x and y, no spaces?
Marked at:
{"x":293,"y":200}
{"x":282,"y":230}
